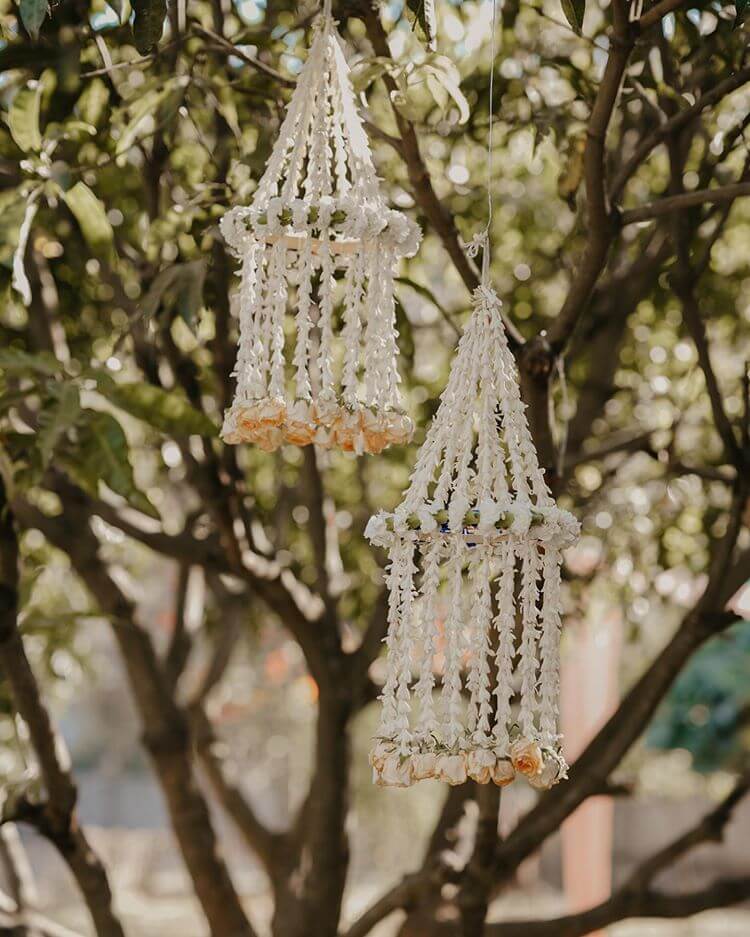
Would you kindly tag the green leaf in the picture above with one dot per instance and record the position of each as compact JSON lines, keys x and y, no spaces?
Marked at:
{"x":102,"y":455}
{"x":165,"y":98}
{"x":148,"y":24}
{"x":424,"y":13}
{"x":23,"y":119}
{"x":181,"y":285}
{"x":574,"y":11}
{"x":91,"y":104}
{"x":33,"y":13}
{"x":168,"y":411}
{"x":91,"y":216}
{"x":59,"y":413}
{"x":22,"y":364}
{"x":442,"y":69}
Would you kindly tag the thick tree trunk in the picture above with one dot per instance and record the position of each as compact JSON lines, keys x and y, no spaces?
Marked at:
{"x":166,"y":735}
{"x":56,"y":818}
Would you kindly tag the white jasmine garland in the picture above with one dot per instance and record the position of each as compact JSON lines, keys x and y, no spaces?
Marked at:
{"x":318,"y":210}
{"x":476,"y":528}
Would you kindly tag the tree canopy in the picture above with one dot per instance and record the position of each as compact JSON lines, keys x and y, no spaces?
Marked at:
{"x":619,"y":229}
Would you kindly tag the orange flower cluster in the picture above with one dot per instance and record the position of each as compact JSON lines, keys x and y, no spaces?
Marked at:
{"x":270,"y":422}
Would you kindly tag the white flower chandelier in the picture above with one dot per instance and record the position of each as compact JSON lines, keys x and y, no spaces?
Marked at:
{"x":319,"y":214}
{"x":479,"y":520}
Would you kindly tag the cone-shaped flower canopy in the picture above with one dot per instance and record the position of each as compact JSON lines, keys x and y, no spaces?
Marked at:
{"x":475,"y":555}
{"x":318,"y":239}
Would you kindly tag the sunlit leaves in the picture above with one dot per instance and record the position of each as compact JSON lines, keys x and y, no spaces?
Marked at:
{"x":19,"y":363}
{"x":56,"y":417}
{"x":91,"y":105}
{"x":180,"y":286}
{"x":102,"y":455}
{"x":91,"y":216}
{"x":436,"y":74}
{"x":154,"y":105}
{"x":23,"y":119}
{"x":167,"y":411}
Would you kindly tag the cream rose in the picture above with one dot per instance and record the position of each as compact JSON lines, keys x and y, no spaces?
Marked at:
{"x":548,"y":776}
{"x":396,"y":771}
{"x":376,"y":531}
{"x":526,"y":757}
{"x":423,"y":765}
{"x":379,"y":752}
{"x":451,"y":769}
{"x":479,"y":765}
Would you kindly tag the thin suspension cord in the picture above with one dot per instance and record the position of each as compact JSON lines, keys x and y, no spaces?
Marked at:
{"x":481,"y":241}
{"x":490,"y":142}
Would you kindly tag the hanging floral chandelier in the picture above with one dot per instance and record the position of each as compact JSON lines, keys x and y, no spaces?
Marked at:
{"x":319,"y":238}
{"x":474,"y":561}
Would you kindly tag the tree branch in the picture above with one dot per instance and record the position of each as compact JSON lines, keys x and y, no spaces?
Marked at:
{"x":595,"y":764}
{"x":438,"y":216}
{"x":165,"y":734}
{"x":665,"y":206}
{"x":601,"y":222}
{"x":637,"y":897}
{"x":675,"y":123}
{"x":56,"y":817}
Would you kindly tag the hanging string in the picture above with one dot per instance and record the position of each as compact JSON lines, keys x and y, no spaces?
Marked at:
{"x":490,"y":142}
{"x":481,"y":241}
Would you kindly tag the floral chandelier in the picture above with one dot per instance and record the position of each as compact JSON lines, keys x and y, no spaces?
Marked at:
{"x":318,"y":238}
{"x":474,"y":561}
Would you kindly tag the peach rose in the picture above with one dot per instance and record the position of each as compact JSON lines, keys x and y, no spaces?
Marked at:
{"x":503,"y":773}
{"x":300,"y":427}
{"x":324,"y":411}
{"x":346,"y":431}
{"x":267,"y":438}
{"x":526,"y":757}
{"x":374,"y":432}
{"x":270,"y":411}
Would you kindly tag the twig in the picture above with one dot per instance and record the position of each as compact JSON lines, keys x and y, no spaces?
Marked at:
{"x":657,"y":13}
{"x":665,"y":206}
{"x":240,"y":54}
{"x":681,"y":119}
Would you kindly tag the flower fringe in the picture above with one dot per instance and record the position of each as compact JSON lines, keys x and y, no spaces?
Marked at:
{"x":318,"y":238}
{"x":475,"y":550}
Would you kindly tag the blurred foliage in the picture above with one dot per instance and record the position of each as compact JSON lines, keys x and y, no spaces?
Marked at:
{"x":707,"y":711}
{"x":116,"y":160}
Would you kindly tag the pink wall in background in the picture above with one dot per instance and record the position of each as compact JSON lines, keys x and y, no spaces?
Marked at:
{"x":590,"y":663}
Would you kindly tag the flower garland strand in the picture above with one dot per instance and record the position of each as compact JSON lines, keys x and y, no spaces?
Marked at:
{"x":318,"y":213}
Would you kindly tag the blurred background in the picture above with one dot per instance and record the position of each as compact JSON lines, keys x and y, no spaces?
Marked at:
{"x":204,"y":623}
